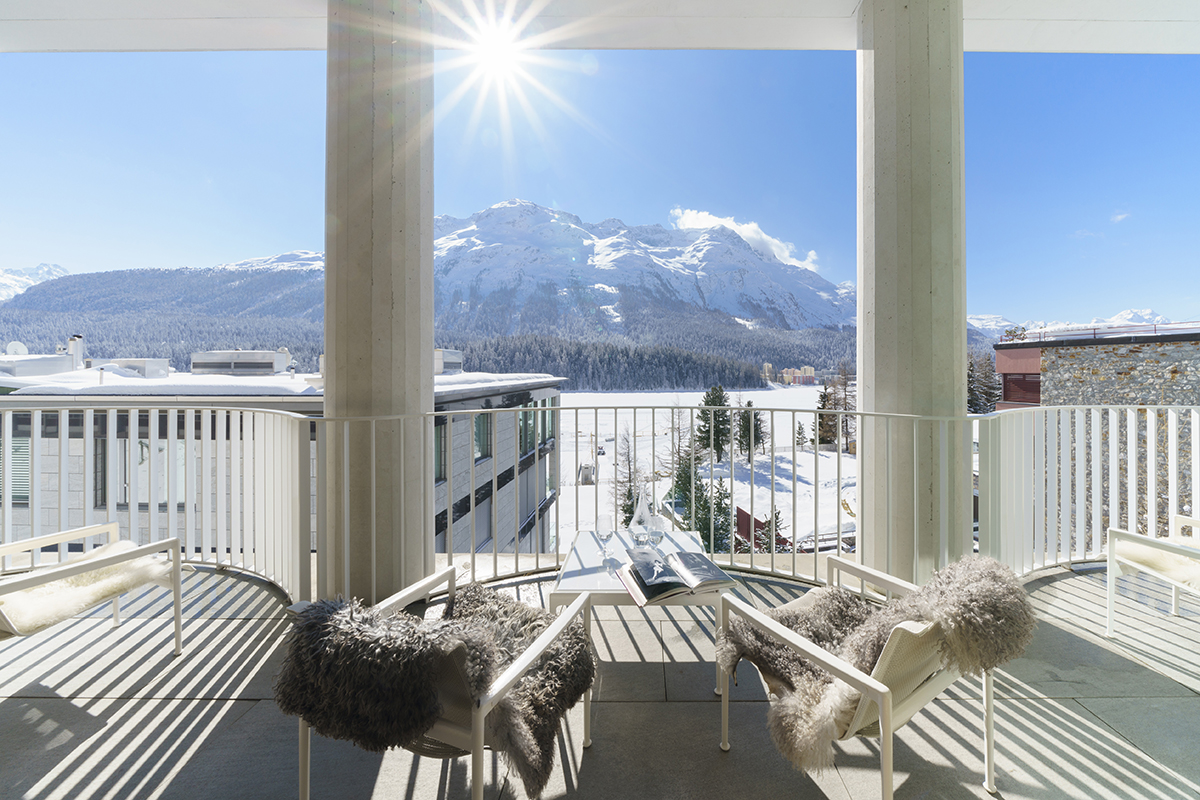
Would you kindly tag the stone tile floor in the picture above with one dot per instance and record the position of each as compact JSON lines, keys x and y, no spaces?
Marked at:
{"x":91,"y":712}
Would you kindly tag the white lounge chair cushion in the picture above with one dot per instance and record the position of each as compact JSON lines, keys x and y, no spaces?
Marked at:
{"x":31,"y":610}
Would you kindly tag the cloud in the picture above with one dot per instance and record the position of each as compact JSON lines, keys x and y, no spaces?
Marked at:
{"x":1118,"y":216}
{"x":1083,"y":234}
{"x":755,"y":236}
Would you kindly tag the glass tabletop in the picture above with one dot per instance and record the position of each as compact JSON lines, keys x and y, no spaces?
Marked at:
{"x":587,"y":570}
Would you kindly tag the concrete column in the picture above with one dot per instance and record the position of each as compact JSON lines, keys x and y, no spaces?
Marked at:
{"x":911,"y":275}
{"x":379,"y":294}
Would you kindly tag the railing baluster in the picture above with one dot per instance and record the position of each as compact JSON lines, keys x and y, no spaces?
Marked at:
{"x":1172,"y":463}
{"x":1151,"y":472}
{"x":1131,"y":469}
{"x":64,"y":483}
{"x":1053,"y":467}
{"x":237,"y":530}
{"x":1194,"y":441}
{"x":8,"y":535}
{"x":1064,"y":486}
{"x":1080,"y":465}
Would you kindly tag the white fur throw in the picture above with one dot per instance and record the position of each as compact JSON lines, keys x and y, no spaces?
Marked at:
{"x":984,"y":617}
{"x":355,"y":674}
{"x":31,"y":610}
{"x":1181,"y":569}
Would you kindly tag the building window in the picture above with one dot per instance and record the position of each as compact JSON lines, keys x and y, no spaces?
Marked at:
{"x":1022,"y":388}
{"x":19,"y":458}
{"x":483,"y":436}
{"x":548,"y":420}
{"x":439,"y":452}
{"x":525,"y":423}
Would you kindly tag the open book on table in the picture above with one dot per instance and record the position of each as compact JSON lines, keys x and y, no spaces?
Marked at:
{"x":650,"y":577}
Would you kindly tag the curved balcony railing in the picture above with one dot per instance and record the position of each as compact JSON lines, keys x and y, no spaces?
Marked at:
{"x":502,"y":492}
{"x":225,"y":481}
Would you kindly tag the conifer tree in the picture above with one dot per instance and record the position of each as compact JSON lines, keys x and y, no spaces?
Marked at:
{"x":825,"y":428}
{"x":713,"y":431}
{"x":750,"y":433}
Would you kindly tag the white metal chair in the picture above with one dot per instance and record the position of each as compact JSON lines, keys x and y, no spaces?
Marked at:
{"x":908,"y":675}
{"x":44,"y":596}
{"x":1175,"y":560}
{"x":460,"y":728}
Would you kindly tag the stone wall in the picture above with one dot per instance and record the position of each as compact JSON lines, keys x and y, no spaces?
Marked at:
{"x":1129,"y":374}
{"x":1156,"y":373}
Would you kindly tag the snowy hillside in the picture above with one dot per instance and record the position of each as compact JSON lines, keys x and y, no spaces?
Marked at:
{"x":13,"y":282}
{"x":518,"y":258}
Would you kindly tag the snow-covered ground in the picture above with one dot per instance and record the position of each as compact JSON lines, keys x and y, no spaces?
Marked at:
{"x":594,"y":421}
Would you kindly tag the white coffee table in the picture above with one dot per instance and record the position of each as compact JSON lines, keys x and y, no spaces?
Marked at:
{"x":586,"y":570}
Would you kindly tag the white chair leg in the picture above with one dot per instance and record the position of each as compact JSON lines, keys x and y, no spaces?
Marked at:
{"x":476,"y":755}
{"x":989,"y":735}
{"x":886,"y":736}
{"x":723,"y":676}
{"x":177,"y":597}
{"x":1175,"y":601}
{"x":1111,"y":580}
{"x":587,"y":696}
{"x":116,"y":611}
{"x":305,"y":764}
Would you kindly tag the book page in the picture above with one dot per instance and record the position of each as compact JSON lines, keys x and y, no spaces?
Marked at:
{"x":696,"y":569}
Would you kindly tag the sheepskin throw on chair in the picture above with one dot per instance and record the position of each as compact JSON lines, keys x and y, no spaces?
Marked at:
{"x":355,"y":674}
{"x":982,"y":610}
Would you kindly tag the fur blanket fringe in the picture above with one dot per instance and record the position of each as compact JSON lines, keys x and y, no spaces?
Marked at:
{"x":982,"y":611}
{"x":355,"y":674}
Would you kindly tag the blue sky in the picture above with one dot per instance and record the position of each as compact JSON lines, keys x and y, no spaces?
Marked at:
{"x":1083,"y":172}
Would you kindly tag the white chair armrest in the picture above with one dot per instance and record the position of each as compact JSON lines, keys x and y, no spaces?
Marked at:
{"x":42,"y":576}
{"x":836,"y":565}
{"x":419,"y":590}
{"x":1180,"y":521}
{"x":108,"y":529}
{"x":515,"y":670}
{"x":1117,"y":535}
{"x":818,"y":655}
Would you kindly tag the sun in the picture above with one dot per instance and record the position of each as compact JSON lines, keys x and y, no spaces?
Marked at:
{"x":497,"y":52}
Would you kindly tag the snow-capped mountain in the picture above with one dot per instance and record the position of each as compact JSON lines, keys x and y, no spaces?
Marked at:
{"x":289,"y":285}
{"x":994,"y":325}
{"x":296,"y":259}
{"x":15,"y":281}
{"x":517,"y":259}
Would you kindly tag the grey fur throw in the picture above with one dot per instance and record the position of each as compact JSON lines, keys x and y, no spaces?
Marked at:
{"x":981,"y":609}
{"x":355,"y":674}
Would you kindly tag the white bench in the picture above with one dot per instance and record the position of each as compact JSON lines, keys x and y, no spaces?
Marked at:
{"x":1175,"y":560}
{"x":44,"y":596}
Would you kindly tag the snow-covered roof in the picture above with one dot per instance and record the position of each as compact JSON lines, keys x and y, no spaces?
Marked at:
{"x":109,"y":379}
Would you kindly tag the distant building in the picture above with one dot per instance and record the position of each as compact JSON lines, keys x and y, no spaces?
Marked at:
{"x":510,"y":452}
{"x":805,"y":376}
{"x":1102,"y":367}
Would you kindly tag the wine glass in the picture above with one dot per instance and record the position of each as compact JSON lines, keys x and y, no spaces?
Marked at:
{"x":658,"y":529}
{"x":604,"y":532}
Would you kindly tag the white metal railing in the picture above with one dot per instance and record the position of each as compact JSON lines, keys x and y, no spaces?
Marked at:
{"x":1053,"y":480}
{"x":251,"y":489}
{"x":225,"y":482}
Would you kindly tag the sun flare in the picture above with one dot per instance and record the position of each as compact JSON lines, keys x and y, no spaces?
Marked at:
{"x":497,"y":52}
